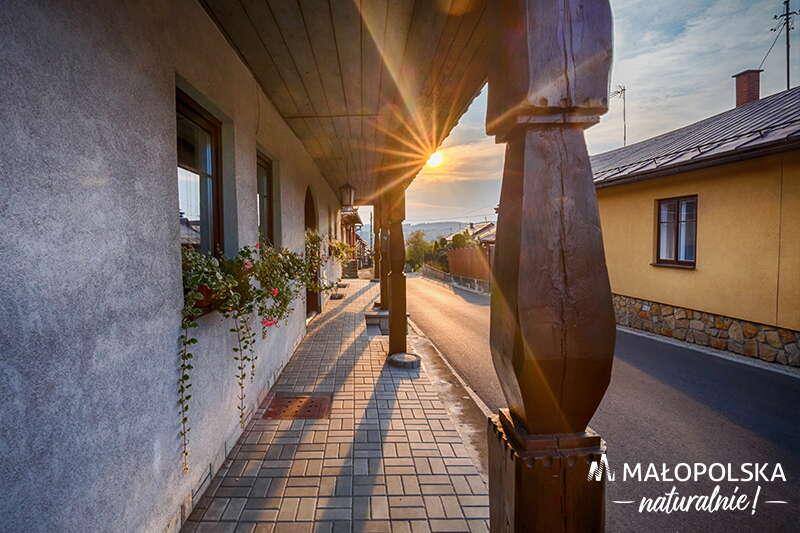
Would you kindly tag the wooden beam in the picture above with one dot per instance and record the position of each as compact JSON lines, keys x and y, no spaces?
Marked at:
{"x":376,"y":239}
{"x":351,"y":76}
{"x":385,"y":254}
{"x":396,"y":213}
{"x":552,"y":320}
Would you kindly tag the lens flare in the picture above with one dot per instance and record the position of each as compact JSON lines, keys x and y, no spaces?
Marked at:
{"x":435,"y":159}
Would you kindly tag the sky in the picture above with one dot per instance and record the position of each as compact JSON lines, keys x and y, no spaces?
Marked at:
{"x":675,"y":57}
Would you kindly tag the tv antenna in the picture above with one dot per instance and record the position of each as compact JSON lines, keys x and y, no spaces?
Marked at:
{"x":785,"y":24}
{"x":619,"y":92}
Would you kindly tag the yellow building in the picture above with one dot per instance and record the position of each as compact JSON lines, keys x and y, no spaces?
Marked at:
{"x":701,"y":228}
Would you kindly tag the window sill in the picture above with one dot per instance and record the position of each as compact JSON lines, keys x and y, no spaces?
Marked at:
{"x":671,"y":265}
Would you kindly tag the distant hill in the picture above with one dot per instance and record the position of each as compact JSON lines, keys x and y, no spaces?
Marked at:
{"x":432,"y":230}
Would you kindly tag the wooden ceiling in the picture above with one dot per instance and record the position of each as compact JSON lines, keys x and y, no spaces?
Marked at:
{"x":371,"y":87}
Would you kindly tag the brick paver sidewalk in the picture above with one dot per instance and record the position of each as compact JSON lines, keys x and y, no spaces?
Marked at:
{"x":388,"y":458}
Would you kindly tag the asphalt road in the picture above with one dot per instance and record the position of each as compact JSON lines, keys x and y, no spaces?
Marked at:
{"x":665,"y":405}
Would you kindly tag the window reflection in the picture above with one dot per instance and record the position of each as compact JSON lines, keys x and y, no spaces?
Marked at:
{"x":264,"y":200}
{"x":686,"y":233}
{"x":197,"y":134}
{"x":667,"y":228}
{"x":677,"y":231}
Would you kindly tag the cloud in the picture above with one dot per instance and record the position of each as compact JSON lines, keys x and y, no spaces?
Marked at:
{"x":478,"y":160}
{"x":677,"y":63}
{"x":676,"y":59}
{"x":435,"y":200}
{"x":428,"y":205}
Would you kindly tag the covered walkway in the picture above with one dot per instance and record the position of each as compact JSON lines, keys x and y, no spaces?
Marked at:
{"x":385,"y":458}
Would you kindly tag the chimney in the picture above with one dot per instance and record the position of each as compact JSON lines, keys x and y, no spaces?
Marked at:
{"x":748,"y":86}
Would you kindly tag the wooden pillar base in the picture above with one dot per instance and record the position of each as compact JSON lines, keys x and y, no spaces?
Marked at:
{"x":540,"y":482}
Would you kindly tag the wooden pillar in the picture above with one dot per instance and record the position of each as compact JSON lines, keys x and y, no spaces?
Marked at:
{"x":376,"y":240}
{"x":395,"y":214}
{"x":385,"y":253}
{"x":552,"y":321}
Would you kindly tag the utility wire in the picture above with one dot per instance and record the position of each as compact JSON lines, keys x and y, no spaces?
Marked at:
{"x":469,"y":214}
{"x":785,"y":19}
{"x":456,"y":218}
{"x":780,"y":30}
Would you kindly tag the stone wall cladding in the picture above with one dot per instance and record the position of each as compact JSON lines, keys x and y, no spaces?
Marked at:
{"x":768,"y":343}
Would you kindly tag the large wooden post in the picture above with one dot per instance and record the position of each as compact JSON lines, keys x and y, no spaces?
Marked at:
{"x":386,"y":252}
{"x":396,"y":213}
{"x":376,"y":239}
{"x":552,"y":321}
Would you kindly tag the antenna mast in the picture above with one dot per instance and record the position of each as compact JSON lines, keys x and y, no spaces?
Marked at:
{"x":786,"y":24}
{"x":619,"y":92}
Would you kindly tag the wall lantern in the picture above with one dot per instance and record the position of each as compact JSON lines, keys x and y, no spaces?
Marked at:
{"x":347,"y":195}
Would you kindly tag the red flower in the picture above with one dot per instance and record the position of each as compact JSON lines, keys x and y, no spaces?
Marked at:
{"x":268,"y":322}
{"x":248,"y":264}
{"x":274,"y":292}
{"x":258,"y":246}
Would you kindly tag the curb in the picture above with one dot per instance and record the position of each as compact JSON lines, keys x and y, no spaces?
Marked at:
{"x":471,"y":427}
{"x":728,"y":356}
{"x":472,"y":394}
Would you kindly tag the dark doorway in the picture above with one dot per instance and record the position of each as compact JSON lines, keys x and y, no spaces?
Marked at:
{"x":312,"y":297}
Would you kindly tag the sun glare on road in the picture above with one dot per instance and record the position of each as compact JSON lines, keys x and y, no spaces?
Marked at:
{"x":435,"y":159}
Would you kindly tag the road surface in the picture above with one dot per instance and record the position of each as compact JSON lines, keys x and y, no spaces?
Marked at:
{"x":666,"y":405}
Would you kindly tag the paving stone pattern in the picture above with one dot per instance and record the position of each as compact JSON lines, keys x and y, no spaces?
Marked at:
{"x":387,"y":459}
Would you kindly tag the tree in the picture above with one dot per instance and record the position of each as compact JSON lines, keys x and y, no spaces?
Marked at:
{"x":463,"y":240}
{"x":416,"y":250}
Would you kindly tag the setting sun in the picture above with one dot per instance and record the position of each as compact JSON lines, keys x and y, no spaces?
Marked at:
{"x":435,"y":159}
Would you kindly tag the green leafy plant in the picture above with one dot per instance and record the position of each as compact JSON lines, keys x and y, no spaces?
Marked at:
{"x":463,"y":240}
{"x":204,"y":286}
{"x":313,"y":262}
{"x":341,"y":251}
{"x":239,"y":306}
{"x":417,"y":248}
{"x":279,"y":273}
{"x":260,"y":280}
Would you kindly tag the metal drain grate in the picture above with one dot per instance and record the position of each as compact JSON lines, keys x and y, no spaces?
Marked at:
{"x":293,"y":406}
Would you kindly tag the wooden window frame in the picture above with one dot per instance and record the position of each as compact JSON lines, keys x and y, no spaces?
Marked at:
{"x":675,"y":262}
{"x":186,"y":106}
{"x":266,"y":162}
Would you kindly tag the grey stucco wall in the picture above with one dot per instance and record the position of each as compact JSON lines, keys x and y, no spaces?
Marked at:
{"x":90,"y":289}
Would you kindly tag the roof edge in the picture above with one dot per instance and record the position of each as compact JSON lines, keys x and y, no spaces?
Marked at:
{"x":698,"y":164}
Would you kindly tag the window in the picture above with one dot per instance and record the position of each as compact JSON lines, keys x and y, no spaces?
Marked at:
{"x":199,"y":180}
{"x":677,"y":231}
{"x":264,"y":200}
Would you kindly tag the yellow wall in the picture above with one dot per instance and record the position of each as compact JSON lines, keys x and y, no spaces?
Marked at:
{"x":789,"y":282}
{"x":748,"y":240}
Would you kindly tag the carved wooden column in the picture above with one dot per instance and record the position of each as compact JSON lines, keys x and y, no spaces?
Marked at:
{"x":376,"y":239}
{"x":552,"y":321}
{"x":396,"y":213}
{"x":386,"y":253}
